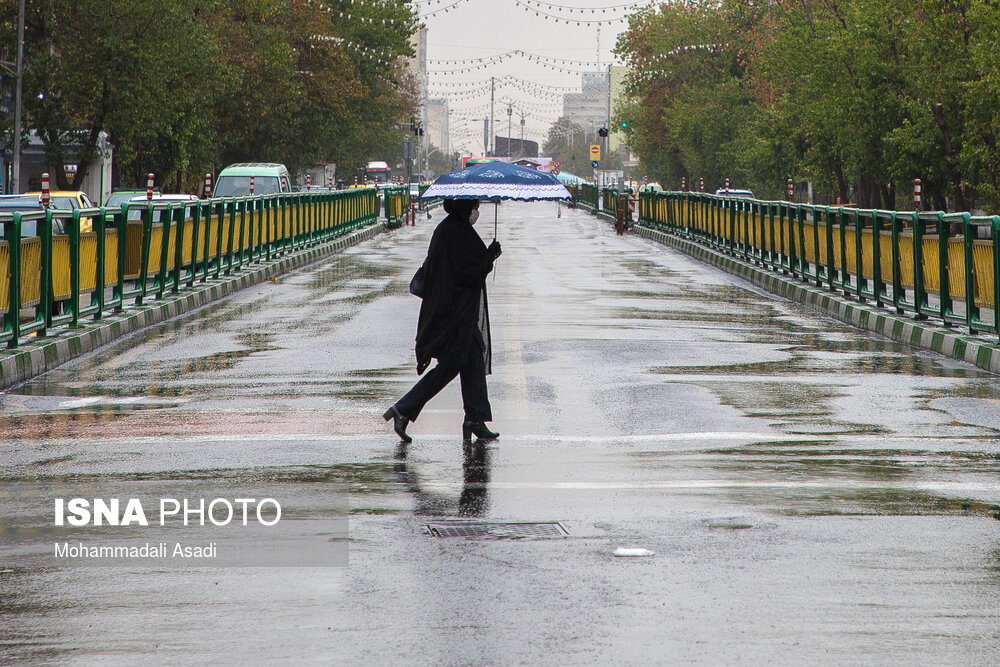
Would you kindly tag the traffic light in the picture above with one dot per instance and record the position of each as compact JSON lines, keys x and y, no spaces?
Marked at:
{"x":624,"y":124}
{"x":603,"y":132}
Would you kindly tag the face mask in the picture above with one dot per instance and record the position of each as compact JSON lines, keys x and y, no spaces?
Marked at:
{"x":473,"y":216}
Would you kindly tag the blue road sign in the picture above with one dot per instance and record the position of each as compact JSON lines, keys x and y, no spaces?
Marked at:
{"x":595,"y":163}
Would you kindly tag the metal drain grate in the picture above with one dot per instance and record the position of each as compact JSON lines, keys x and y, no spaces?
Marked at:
{"x":499,"y":530}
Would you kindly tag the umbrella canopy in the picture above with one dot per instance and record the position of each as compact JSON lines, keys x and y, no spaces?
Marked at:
{"x":495,"y":181}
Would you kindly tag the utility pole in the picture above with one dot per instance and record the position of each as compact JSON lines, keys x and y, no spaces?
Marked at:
{"x":486,"y":137}
{"x":510,"y":112}
{"x":493,"y":81}
{"x":522,"y":133}
{"x":16,"y":176}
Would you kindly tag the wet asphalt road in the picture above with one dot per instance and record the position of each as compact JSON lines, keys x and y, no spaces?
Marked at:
{"x":811,"y":494}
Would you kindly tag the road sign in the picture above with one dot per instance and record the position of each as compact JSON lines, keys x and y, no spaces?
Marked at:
{"x":595,"y":164}
{"x":631,"y":206}
{"x":555,"y":172}
{"x":595,"y":152}
{"x":556,"y":164}
{"x":595,"y":175}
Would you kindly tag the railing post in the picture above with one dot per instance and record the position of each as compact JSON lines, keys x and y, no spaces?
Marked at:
{"x":195,"y":237}
{"x":13,"y":316}
{"x":231,"y":205}
{"x":46,"y":277}
{"x":74,"y":269}
{"x":995,"y":233}
{"x":968,"y":239}
{"x":877,"y":289}
{"x":945,"y":309}
{"x":859,"y":274}
{"x":919,"y":294}
{"x":147,"y":232}
{"x":845,"y":278}
{"x":100,"y":230}
{"x":897,"y":272}
{"x":121,"y":231}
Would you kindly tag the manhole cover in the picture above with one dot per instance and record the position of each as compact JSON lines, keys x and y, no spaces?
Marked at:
{"x":501,"y":530}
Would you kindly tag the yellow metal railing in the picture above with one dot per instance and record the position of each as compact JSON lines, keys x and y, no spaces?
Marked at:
{"x":897,"y":259}
{"x":171,"y":244}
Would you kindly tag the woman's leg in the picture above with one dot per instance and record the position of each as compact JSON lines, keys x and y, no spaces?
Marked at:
{"x":474,"y":395}
{"x":425,"y":389}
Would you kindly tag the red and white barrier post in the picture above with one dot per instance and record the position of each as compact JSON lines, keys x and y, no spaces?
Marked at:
{"x":309,"y":182}
{"x":208,"y":186}
{"x":251,"y":184}
{"x":916,"y":194}
{"x":684,"y":184}
{"x":45,"y":190}
{"x":149,"y":186}
{"x":329,"y":182}
{"x":727,"y":185}
{"x":701,"y":185}
{"x":791,"y":190}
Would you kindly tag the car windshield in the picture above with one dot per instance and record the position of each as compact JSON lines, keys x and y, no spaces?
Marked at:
{"x":239,"y":186}
{"x":63,"y":203}
{"x":116,"y":199}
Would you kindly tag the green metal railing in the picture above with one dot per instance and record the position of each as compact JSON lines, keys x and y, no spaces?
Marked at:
{"x":927,"y":264}
{"x":397,"y":202}
{"x":588,"y":197}
{"x":145,"y":250}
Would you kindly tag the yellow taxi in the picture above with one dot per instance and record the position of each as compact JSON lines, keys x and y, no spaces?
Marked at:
{"x":69,"y":200}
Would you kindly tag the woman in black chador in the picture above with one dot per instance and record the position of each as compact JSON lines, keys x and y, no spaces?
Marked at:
{"x":454,"y":324}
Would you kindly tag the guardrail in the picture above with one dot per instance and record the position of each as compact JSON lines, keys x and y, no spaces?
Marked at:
{"x":927,"y":264}
{"x":148,"y":249}
{"x":588,"y":197}
{"x":397,"y":202}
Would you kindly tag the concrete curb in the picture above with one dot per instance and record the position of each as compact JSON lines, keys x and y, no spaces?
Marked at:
{"x":919,"y":334}
{"x":39,"y":355}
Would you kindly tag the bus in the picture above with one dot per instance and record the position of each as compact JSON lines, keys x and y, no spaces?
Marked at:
{"x":378,"y":173}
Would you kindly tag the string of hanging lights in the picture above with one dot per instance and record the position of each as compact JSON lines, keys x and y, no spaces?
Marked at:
{"x":372,"y":54}
{"x":363,"y":19}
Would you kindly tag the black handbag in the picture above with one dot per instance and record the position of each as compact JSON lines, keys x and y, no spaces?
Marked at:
{"x":417,"y":283}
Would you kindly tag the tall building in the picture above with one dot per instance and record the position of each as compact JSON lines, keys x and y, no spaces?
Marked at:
{"x":589,"y":107}
{"x":418,"y":66}
{"x":437,"y":124}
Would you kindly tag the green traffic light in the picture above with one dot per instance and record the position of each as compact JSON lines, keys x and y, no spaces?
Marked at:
{"x":624,"y":123}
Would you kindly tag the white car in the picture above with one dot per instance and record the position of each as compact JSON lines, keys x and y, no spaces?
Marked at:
{"x":733,"y":192}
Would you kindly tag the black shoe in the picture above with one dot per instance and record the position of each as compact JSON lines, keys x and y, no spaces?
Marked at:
{"x":477,"y":428}
{"x":399,"y":423}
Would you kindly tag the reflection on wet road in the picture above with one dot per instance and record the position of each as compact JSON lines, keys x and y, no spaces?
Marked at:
{"x":811,"y":493}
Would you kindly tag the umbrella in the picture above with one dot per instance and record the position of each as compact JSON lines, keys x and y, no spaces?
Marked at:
{"x":496,"y":181}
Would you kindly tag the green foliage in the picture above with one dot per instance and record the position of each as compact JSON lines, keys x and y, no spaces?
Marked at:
{"x":855,"y":96}
{"x":187,"y":86}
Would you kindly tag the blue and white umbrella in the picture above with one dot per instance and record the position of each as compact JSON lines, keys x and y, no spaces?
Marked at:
{"x":495,"y":181}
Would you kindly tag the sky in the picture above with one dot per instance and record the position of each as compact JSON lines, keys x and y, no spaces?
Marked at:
{"x":473,"y":29}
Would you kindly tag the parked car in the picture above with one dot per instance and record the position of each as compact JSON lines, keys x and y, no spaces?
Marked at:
{"x":734,"y":193}
{"x":22,"y":204}
{"x":137,"y":204}
{"x":119,"y":197}
{"x":69,"y":200}
{"x":269,"y":178}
